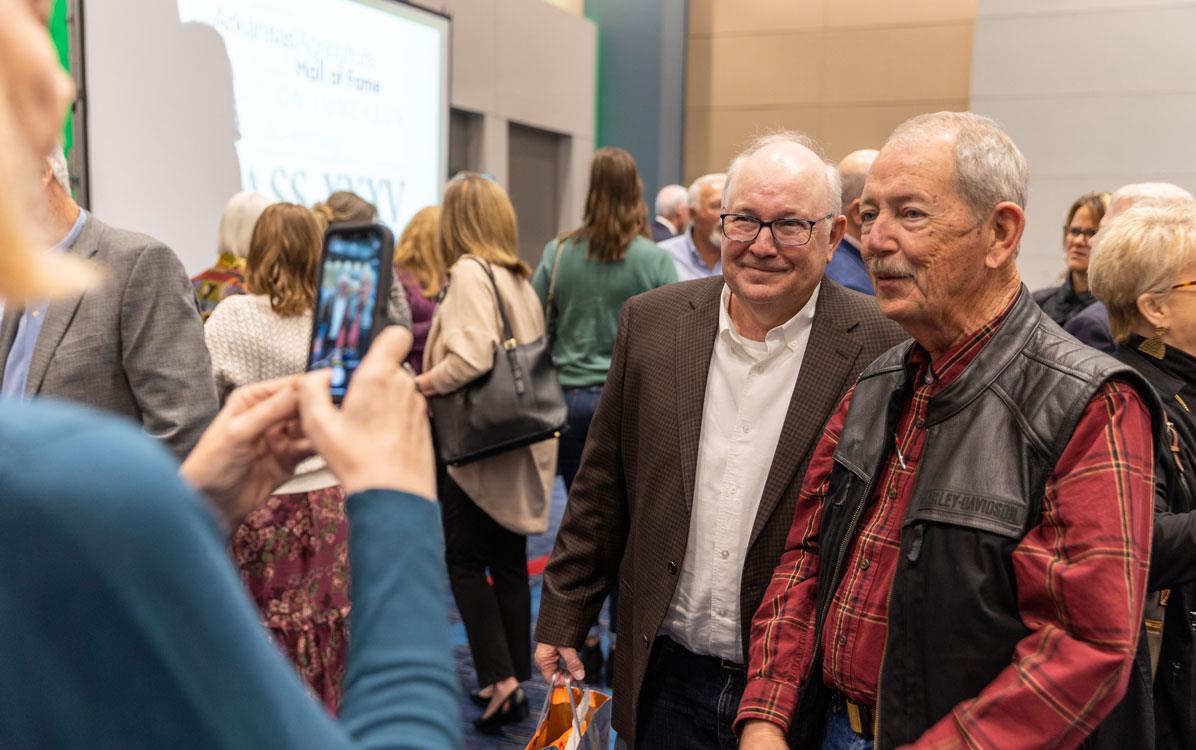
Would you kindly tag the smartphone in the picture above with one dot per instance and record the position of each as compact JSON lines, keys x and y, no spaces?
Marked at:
{"x":352,"y":291}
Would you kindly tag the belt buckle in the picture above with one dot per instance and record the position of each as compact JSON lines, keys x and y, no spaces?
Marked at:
{"x":729,"y":665}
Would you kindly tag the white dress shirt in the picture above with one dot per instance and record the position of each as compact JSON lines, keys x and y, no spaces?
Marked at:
{"x":748,"y":388}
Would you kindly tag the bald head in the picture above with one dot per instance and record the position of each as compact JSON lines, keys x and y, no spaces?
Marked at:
{"x":853,"y":171}
{"x":791,"y":159}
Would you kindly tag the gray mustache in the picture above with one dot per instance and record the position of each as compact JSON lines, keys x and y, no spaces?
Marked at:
{"x":888,"y":267}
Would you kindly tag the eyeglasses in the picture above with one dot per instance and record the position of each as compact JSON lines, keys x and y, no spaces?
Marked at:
{"x":1076,"y":232}
{"x":789,"y":232}
{"x":1182,"y":284}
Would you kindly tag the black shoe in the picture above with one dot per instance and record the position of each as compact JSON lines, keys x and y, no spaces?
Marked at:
{"x":477,"y":699}
{"x":592,"y":660}
{"x":512,"y":711}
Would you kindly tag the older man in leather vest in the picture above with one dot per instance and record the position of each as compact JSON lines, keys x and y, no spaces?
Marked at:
{"x":967,"y":564}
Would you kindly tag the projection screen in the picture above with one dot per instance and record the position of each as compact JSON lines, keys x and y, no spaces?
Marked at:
{"x":189,"y":101}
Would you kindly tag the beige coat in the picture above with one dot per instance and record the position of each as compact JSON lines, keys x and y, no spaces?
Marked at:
{"x":514,"y":488}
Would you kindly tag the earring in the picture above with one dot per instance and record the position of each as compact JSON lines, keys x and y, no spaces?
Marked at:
{"x":1154,"y":345}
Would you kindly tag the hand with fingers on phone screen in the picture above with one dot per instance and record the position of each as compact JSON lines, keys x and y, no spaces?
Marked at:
{"x":379,"y":438}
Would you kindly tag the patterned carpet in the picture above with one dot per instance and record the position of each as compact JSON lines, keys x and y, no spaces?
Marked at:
{"x":514,"y":737}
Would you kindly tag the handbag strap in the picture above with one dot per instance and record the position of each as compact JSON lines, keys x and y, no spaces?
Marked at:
{"x":550,"y":304}
{"x":508,"y":338}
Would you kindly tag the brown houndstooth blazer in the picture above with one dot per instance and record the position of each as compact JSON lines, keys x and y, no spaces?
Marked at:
{"x":630,"y":501}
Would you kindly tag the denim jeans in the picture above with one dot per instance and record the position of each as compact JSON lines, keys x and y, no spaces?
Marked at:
{"x":838,"y":731}
{"x":687,"y":702}
{"x":581,"y":403}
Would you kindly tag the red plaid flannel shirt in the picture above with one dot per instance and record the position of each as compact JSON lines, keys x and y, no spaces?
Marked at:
{"x":1081,"y":577}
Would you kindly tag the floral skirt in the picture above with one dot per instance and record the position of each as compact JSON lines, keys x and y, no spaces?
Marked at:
{"x":293,"y":555}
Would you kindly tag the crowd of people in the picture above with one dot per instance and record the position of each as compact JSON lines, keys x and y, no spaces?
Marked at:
{"x":844,"y":480}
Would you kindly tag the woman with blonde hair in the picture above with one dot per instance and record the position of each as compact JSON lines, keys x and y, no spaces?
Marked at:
{"x":489,"y":505}
{"x":293,"y":551}
{"x":420,"y":269}
{"x":131,"y":628}
{"x":1143,"y":269}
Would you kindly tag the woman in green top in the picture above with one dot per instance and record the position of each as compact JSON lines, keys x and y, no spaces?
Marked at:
{"x":583,"y":280}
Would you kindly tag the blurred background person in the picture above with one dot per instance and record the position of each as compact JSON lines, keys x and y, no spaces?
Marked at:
{"x":419,"y":269}
{"x":227,"y":277}
{"x":489,"y":505}
{"x":1064,"y":302}
{"x":597,"y":267}
{"x":133,"y":630}
{"x":293,"y":550}
{"x":847,"y":265}
{"x":1144,"y":270}
{"x":697,"y":252}
{"x":345,"y":207}
{"x":131,"y":345}
{"x":672,"y":212}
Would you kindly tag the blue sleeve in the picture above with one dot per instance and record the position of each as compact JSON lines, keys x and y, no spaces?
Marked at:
{"x":123,"y":622}
{"x":667,"y":269}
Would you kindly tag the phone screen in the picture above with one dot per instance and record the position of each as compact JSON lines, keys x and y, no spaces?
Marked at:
{"x":354,"y":270}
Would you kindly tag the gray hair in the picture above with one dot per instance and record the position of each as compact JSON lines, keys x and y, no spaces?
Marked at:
{"x":695,"y":188}
{"x":834,"y":185}
{"x":989,"y":168}
{"x":670,"y":199}
{"x":56,"y":160}
{"x":1139,"y":191}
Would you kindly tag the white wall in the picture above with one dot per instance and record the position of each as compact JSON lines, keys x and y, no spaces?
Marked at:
{"x":531,"y":63}
{"x":1096,"y":93}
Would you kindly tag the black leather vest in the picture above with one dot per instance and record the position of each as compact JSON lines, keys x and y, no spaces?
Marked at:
{"x":994,"y":436}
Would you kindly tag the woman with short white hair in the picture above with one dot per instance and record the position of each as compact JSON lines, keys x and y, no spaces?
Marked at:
{"x":1143,"y":269}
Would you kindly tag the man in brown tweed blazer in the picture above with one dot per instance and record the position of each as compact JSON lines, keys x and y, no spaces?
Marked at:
{"x":691,"y":470}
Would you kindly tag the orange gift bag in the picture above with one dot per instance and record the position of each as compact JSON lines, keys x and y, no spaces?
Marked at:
{"x":573,"y":719}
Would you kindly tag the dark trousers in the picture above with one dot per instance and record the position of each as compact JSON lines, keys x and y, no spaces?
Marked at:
{"x":581,"y":403}
{"x":687,"y":701}
{"x":497,"y":618}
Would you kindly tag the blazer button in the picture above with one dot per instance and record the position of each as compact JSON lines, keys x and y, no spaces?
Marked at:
{"x":672,"y":568}
{"x":647,"y":642}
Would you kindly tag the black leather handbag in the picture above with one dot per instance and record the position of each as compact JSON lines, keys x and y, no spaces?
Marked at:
{"x":517,"y":403}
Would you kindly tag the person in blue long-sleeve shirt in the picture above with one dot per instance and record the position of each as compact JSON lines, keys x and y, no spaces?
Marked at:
{"x":123,"y":623}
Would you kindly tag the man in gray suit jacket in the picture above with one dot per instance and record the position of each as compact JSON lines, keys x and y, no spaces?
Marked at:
{"x":133,"y":345}
{"x":717,"y":394}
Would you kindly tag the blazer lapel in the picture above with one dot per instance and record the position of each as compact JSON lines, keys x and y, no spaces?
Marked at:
{"x":830,"y":352}
{"x":696,"y":330}
{"x":8,"y":331}
{"x":61,"y":312}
